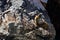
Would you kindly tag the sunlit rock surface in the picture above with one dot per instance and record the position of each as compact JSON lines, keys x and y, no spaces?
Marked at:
{"x":25,"y":22}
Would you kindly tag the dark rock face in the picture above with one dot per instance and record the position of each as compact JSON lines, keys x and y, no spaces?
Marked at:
{"x":23,"y":21}
{"x":54,"y":13}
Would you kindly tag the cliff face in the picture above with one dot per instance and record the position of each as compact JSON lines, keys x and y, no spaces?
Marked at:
{"x":53,"y":9}
{"x":25,"y":22}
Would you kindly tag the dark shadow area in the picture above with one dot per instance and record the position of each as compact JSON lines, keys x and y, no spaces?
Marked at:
{"x":4,"y":5}
{"x":53,"y":8}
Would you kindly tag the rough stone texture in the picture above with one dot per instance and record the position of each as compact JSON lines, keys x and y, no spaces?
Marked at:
{"x":23,"y":21}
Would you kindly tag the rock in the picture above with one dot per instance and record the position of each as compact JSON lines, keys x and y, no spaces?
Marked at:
{"x":4,"y":5}
{"x":25,"y":22}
